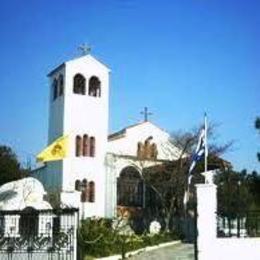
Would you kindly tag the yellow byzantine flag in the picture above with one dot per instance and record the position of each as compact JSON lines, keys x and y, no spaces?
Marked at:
{"x":55,"y":151}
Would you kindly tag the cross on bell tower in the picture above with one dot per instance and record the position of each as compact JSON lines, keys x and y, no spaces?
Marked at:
{"x":146,"y":114}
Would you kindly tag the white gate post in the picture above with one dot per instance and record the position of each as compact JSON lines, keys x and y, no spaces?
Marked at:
{"x":207,"y":220}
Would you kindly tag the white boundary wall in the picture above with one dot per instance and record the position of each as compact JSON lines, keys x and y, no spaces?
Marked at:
{"x":209,"y":246}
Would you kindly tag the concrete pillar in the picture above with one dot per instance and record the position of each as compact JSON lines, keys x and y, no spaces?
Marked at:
{"x":207,"y":220}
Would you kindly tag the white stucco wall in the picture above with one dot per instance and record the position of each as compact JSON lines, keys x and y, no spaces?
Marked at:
{"x":211,"y":247}
{"x":127,"y":143}
{"x":236,"y":249}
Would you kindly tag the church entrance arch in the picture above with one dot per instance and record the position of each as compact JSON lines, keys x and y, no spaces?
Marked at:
{"x":130,"y":188}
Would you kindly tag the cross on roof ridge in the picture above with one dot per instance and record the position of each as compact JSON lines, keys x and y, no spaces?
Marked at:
{"x":146,"y":114}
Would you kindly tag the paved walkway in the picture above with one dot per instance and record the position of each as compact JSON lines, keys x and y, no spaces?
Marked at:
{"x":176,"y":252}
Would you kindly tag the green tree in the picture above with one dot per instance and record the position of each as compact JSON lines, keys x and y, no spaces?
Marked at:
{"x":233,"y":193}
{"x":10,"y":168}
{"x":254,"y":188}
{"x":238,"y":194}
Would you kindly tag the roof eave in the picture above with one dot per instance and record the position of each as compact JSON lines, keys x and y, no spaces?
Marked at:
{"x":56,"y":69}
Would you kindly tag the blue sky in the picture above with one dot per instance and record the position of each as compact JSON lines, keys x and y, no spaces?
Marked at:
{"x":179,"y":58}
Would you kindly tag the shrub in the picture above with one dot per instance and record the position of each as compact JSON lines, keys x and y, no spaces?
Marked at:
{"x":98,"y":238}
{"x":93,"y":237}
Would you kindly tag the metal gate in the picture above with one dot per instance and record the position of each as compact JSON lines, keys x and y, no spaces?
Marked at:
{"x":38,"y":234}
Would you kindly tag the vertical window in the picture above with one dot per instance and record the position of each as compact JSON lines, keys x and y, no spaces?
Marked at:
{"x":139,"y":150}
{"x":147,"y":150}
{"x":79,"y":84}
{"x":84,"y":184}
{"x":61,"y":85}
{"x":77,"y":185}
{"x":84,"y":194}
{"x":154,"y":151}
{"x":85,"y":145}
{"x":92,"y":144}
{"x":94,"y":87}
{"x":91,"y":193}
{"x":55,"y":88}
{"x":78,"y":146}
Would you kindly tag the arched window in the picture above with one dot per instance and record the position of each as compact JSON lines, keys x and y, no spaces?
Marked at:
{"x":85,"y":145}
{"x":77,"y":185}
{"x":61,"y":85}
{"x":91,"y":191}
{"x":79,"y":84}
{"x":92,"y":148}
{"x":130,"y":188}
{"x":147,"y":149}
{"x":94,"y":87}
{"x":84,"y":196}
{"x":154,"y":151}
{"x":78,"y":146}
{"x":55,"y":88}
{"x":139,"y":150}
{"x":84,"y":184}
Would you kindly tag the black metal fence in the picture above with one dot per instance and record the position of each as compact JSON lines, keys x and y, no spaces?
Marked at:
{"x":246,"y":224}
{"x":38,"y":234}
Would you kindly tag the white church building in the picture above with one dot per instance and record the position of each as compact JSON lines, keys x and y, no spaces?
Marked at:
{"x":101,"y":172}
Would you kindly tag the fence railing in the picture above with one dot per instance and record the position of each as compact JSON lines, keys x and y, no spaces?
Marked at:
{"x":38,"y":233}
{"x":243,"y":224}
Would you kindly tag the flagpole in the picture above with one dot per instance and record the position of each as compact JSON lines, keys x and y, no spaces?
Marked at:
{"x":206,"y":144}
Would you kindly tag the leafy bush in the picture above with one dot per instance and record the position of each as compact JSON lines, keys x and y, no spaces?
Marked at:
{"x":94,"y":237}
{"x":99,"y":238}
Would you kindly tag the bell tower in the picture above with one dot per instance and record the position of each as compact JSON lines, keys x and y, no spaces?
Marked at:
{"x":79,"y":99}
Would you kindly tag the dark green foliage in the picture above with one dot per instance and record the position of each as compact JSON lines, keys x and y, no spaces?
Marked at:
{"x":10,"y":168}
{"x":238,"y":196}
{"x":233,"y":193}
{"x":238,"y":192}
{"x":97,"y":238}
{"x":253,"y":180}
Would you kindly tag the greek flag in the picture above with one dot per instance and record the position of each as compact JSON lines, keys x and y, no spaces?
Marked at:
{"x":200,"y":152}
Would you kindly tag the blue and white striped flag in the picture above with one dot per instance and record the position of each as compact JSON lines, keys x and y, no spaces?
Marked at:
{"x":200,"y":151}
